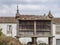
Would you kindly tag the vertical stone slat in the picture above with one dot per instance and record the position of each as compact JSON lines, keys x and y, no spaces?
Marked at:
{"x":34,"y":28}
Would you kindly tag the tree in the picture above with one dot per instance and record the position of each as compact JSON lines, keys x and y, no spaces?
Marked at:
{"x":1,"y":32}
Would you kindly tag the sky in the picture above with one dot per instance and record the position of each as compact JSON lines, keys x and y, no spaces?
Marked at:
{"x":30,"y":7}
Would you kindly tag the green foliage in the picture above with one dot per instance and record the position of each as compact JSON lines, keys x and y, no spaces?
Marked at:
{"x":3,"y":43}
{"x":1,"y":31}
{"x":4,"y":40}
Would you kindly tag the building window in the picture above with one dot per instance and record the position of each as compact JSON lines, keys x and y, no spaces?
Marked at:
{"x":57,"y":29}
{"x":9,"y":29}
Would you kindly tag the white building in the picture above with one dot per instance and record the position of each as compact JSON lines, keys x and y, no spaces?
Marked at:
{"x":8,"y":25}
{"x":9,"y":28}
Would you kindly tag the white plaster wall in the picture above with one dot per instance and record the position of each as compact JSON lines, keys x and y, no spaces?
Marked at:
{"x":57,"y":36}
{"x":4,"y":29}
{"x":25,"y":40}
{"x":42,"y":40}
{"x":39,"y":40}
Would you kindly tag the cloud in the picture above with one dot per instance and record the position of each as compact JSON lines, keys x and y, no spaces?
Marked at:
{"x":22,"y":1}
{"x":38,"y":7}
{"x":35,"y":0}
{"x":6,"y":10}
{"x":33,"y":7}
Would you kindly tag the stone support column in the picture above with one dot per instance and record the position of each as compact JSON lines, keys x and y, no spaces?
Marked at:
{"x":34,"y":35}
{"x":17,"y":35}
{"x":34,"y":40}
{"x":50,"y":40}
{"x":34,"y":28}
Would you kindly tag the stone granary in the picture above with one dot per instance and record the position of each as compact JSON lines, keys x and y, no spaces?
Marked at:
{"x":33,"y":26}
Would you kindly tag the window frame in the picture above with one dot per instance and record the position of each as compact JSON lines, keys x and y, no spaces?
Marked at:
{"x":9,"y":29}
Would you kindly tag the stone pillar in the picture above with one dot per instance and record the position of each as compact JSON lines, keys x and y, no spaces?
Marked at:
{"x":34,"y":28}
{"x":50,"y":40}
{"x":34,"y":40}
{"x":17,"y":35}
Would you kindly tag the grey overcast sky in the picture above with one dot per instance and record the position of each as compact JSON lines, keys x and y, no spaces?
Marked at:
{"x":34,"y":7}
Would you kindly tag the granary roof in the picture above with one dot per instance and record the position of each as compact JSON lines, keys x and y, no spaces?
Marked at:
{"x":33,"y":17}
